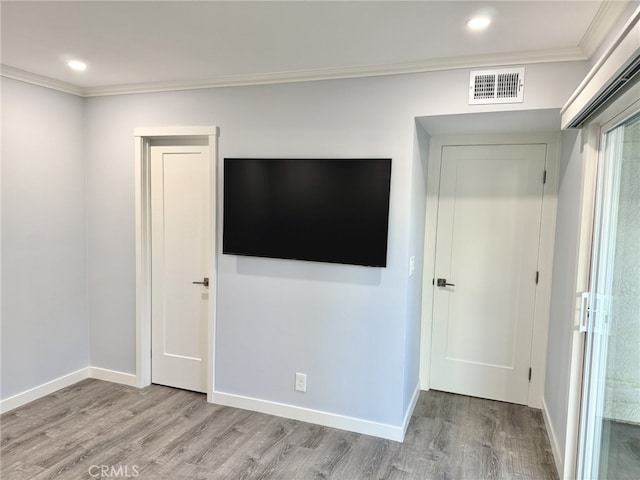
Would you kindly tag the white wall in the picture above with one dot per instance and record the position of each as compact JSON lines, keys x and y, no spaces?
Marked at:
{"x":353,"y":330}
{"x":44,"y":324}
{"x":562,"y":308}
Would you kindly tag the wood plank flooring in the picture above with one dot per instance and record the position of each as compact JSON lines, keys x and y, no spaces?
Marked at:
{"x":97,"y":429}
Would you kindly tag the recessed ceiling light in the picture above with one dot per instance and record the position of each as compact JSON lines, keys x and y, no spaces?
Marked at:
{"x":479,"y":23}
{"x":77,"y":65}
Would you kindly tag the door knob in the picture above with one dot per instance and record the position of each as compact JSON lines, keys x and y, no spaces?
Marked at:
{"x":204,"y":282}
{"x":442,"y":282}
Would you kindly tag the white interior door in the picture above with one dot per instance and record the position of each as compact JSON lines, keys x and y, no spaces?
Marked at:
{"x":488,"y":235}
{"x":179,"y":257}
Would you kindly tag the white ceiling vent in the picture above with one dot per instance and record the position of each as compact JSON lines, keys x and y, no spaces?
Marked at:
{"x":496,"y":86}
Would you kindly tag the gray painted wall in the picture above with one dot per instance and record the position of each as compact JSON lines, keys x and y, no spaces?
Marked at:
{"x":44,"y":324}
{"x":561,"y":316}
{"x":354,"y":330}
{"x":416,"y":249}
{"x":342,"y":325}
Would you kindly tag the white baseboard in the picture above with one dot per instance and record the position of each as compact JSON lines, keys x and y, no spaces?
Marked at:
{"x":553,"y":439}
{"x":113,"y":376}
{"x":351,"y":424}
{"x":65,"y":381}
{"x":391,"y":432}
{"x":409,"y":412}
{"x":43,"y":390}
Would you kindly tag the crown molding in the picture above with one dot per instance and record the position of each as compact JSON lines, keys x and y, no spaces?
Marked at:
{"x":606,"y":76}
{"x":601,"y":25}
{"x":40,"y":80}
{"x":454,"y":63}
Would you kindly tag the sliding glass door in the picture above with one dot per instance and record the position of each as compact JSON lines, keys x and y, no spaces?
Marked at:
{"x":610,"y":411}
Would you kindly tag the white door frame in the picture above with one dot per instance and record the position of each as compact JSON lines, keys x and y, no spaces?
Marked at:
{"x":545,"y":255}
{"x":144,"y":137}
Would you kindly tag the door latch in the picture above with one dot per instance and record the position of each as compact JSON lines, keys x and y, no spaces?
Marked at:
{"x":442,"y":282}
{"x":583,"y":325}
{"x":204,"y":282}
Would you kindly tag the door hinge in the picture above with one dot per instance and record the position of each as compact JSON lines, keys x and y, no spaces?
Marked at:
{"x":529,"y":373}
{"x":544,"y":177}
{"x":537,"y":277}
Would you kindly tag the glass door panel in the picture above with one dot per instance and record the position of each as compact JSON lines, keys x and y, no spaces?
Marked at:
{"x":610,"y":416}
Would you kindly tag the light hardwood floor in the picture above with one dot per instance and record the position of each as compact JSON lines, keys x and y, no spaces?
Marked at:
{"x":164,"y":433}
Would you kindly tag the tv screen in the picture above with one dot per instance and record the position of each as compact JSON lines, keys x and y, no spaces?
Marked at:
{"x":325,"y":210}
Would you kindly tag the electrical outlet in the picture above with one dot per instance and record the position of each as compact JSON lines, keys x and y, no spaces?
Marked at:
{"x":301,"y":382}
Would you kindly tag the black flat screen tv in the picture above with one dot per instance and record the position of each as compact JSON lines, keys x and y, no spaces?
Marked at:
{"x":324,"y":210}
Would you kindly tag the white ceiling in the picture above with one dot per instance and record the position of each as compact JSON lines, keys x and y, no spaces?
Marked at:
{"x":156,"y":45}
